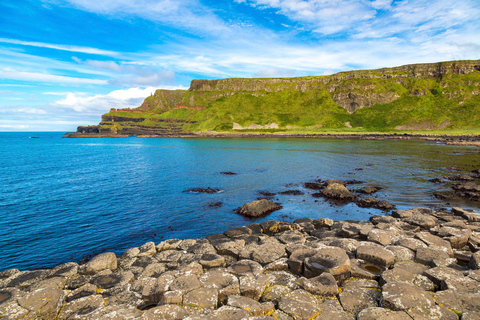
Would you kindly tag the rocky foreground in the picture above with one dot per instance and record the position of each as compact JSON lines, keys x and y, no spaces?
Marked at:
{"x":415,"y":264}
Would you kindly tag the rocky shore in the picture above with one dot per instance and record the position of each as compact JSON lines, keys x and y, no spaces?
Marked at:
{"x":412,"y":264}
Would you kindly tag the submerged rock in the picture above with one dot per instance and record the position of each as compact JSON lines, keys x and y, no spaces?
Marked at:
{"x":258,"y":208}
{"x":336,"y":190}
{"x":203,"y":190}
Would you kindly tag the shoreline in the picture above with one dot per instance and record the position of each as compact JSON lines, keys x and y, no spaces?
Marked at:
{"x":464,"y":139}
{"x":412,"y":264}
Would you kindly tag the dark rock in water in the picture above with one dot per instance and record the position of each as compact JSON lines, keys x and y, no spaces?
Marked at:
{"x":369,"y":190}
{"x":292,"y":192}
{"x":437,"y":180}
{"x":215,"y":204}
{"x":258,"y":208}
{"x":460,"y":177}
{"x":439,"y":196}
{"x":313,"y":185}
{"x":347,"y":182}
{"x":202,"y":190}
{"x":369,"y":202}
{"x":476,"y":171}
{"x":337,"y":191}
{"x":228,"y":173}
{"x":34,"y":137}
{"x":452,"y":168}
{"x":266,"y":193}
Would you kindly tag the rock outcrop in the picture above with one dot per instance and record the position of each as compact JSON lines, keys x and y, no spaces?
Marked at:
{"x":395,"y":267}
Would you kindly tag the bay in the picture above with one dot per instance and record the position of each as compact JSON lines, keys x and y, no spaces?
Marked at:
{"x":67,"y":199}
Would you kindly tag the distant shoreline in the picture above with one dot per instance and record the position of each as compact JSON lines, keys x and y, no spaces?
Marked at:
{"x":473,"y":140}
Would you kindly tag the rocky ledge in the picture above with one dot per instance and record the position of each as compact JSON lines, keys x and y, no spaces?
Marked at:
{"x":414,"y":264}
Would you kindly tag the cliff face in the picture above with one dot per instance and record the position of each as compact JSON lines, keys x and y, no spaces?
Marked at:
{"x":425,"y":96}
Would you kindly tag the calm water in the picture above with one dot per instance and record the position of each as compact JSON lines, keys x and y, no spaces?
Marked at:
{"x":62,"y":199}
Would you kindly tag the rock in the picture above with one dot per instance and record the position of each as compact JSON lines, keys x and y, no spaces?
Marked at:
{"x":426,"y":256}
{"x":337,"y":191}
{"x":379,"y":236}
{"x":277,"y":265}
{"x":244,"y":303}
{"x":230,"y":248}
{"x":292,"y":236}
{"x":284,"y":279}
{"x":265,"y":253}
{"x":272,"y":227}
{"x":322,"y":223}
{"x":113,"y":280}
{"x":299,"y":305}
{"x":148,"y":249}
{"x":244,"y":267}
{"x":368,"y":190}
{"x":354,"y":300}
{"x":83,"y":291}
{"x":201,"y":298}
{"x":332,"y":310}
{"x":376,"y":255}
{"x":375,"y":313}
{"x":203,"y":190}
{"x":475,"y":261}
{"x":26,"y":278}
{"x":435,"y":242}
{"x":369,"y":202}
{"x":82,"y":308}
{"x":231,"y":313}
{"x":292,"y":192}
{"x":107,"y":260}
{"x":238,"y":232}
{"x":297,"y":258}
{"x":400,"y":296}
{"x":421,"y":220}
{"x":396,"y":275}
{"x":185,"y":283}
{"x":42,"y":303}
{"x":365,"y":270}
{"x":226,"y":283}
{"x":65,"y":270}
{"x":328,"y":259}
{"x":253,"y":286}
{"x":323,"y":285}
{"x":152,"y":289}
{"x":274,"y":293}
{"x":401,"y":253}
{"x":258,"y":208}
{"x":411,"y":243}
{"x":212,"y":261}
{"x":447,"y":278}
{"x":165,"y":312}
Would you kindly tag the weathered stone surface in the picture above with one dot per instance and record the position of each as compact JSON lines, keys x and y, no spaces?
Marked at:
{"x":43,"y":303}
{"x":258,"y":208}
{"x":226,"y":283}
{"x":300,"y":305}
{"x":267,"y":252}
{"x":212,"y":260}
{"x":355,"y":300}
{"x":365,"y":270}
{"x":292,"y":236}
{"x":244,"y":267}
{"x":322,"y":223}
{"x":475,"y":261}
{"x":65,"y":270}
{"x":244,"y":303}
{"x":323,"y":285}
{"x":238,"y":232}
{"x":376,"y":255}
{"x":148,"y":249}
{"x":379,"y":236}
{"x":332,"y":310}
{"x":403,"y":296}
{"x":337,"y":191}
{"x":83,"y":291}
{"x":435,"y":242}
{"x":297,"y":258}
{"x":427,"y":255}
{"x":277,"y":265}
{"x":274,"y":293}
{"x":113,"y":280}
{"x":185,"y":284}
{"x":231,"y":313}
{"x":253,"y":286}
{"x":152,"y":289}
{"x":201,"y":298}
{"x":421,"y":220}
{"x":328,"y":259}
{"x":82,"y":308}
{"x":401,"y":253}
{"x":165,"y":312}
{"x":229,"y":248}
{"x":107,"y":260}
{"x":272,"y":227}
{"x":396,"y":275}
{"x":411,"y":243}
{"x":26,"y":278}
{"x":376,"y":313}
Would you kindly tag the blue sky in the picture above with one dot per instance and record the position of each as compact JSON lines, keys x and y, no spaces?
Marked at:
{"x":65,"y":62}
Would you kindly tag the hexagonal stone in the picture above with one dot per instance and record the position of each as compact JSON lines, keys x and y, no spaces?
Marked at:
{"x":365,"y":270}
{"x":65,"y":270}
{"x":113,"y":280}
{"x":272,"y":227}
{"x":299,"y":305}
{"x":403,"y":296}
{"x":148,"y":249}
{"x":82,"y":308}
{"x":268,"y":252}
{"x":376,"y":313}
{"x":106,"y":260}
{"x":165,"y":312}
{"x":172,"y":297}
{"x":421,"y":220}
{"x":323,"y":285}
{"x":26,"y":278}
{"x":44,"y":303}
{"x":401,"y":253}
{"x":379,"y":236}
{"x":212,"y":260}
{"x":355,"y":300}
{"x":328,"y":259}
{"x":274,"y":293}
{"x":435,"y":242}
{"x":297,"y":258}
{"x":170,"y":244}
{"x":253,"y":286}
{"x":83,"y":291}
{"x":185,"y":283}
{"x":244,"y":267}
{"x":376,"y":255}
{"x":277,"y":265}
{"x":411,"y":243}
{"x":255,"y":308}
{"x":231,"y":313}
{"x":292,"y":236}
{"x":229,"y":247}
{"x":201,"y":298}
{"x":475,"y":261}
{"x":332,"y":310}
{"x":152,"y":289}
{"x":426,"y":256}
{"x":396,"y":275}
{"x":226,"y":283}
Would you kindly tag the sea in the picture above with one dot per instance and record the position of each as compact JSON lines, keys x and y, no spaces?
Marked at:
{"x":69,"y":199}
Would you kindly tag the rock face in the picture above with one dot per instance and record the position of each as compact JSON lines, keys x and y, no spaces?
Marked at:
{"x":258,"y":208}
{"x":386,"y":268}
{"x":340,"y":95}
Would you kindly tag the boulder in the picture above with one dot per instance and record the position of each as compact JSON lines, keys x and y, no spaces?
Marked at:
{"x":376,"y":255}
{"x":107,"y":260}
{"x":337,"y":191}
{"x":328,"y":259}
{"x":258,"y":208}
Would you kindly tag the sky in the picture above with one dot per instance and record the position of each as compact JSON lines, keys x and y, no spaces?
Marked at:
{"x":63,"y":63}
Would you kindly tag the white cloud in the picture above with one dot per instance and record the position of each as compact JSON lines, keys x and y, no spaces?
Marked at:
{"x":101,"y":103}
{"x":274,"y":73}
{"x":13,"y":126}
{"x":61,"y":47}
{"x":12,"y":74}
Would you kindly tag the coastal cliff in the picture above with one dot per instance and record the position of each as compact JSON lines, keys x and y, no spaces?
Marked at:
{"x":444,"y":95}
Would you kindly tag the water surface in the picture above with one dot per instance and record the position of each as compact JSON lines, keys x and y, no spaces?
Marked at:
{"x":62,"y":199}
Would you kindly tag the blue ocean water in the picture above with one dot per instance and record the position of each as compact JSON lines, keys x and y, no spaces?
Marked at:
{"x":64,"y":199}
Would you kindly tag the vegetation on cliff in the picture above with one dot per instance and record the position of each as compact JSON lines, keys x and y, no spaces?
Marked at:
{"x":436,"y":96}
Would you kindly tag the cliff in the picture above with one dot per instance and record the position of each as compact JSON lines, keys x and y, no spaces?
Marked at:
{"x":443,"y":95}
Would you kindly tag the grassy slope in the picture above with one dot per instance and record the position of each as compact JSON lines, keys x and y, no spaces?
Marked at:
{"x":428,"y":101}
